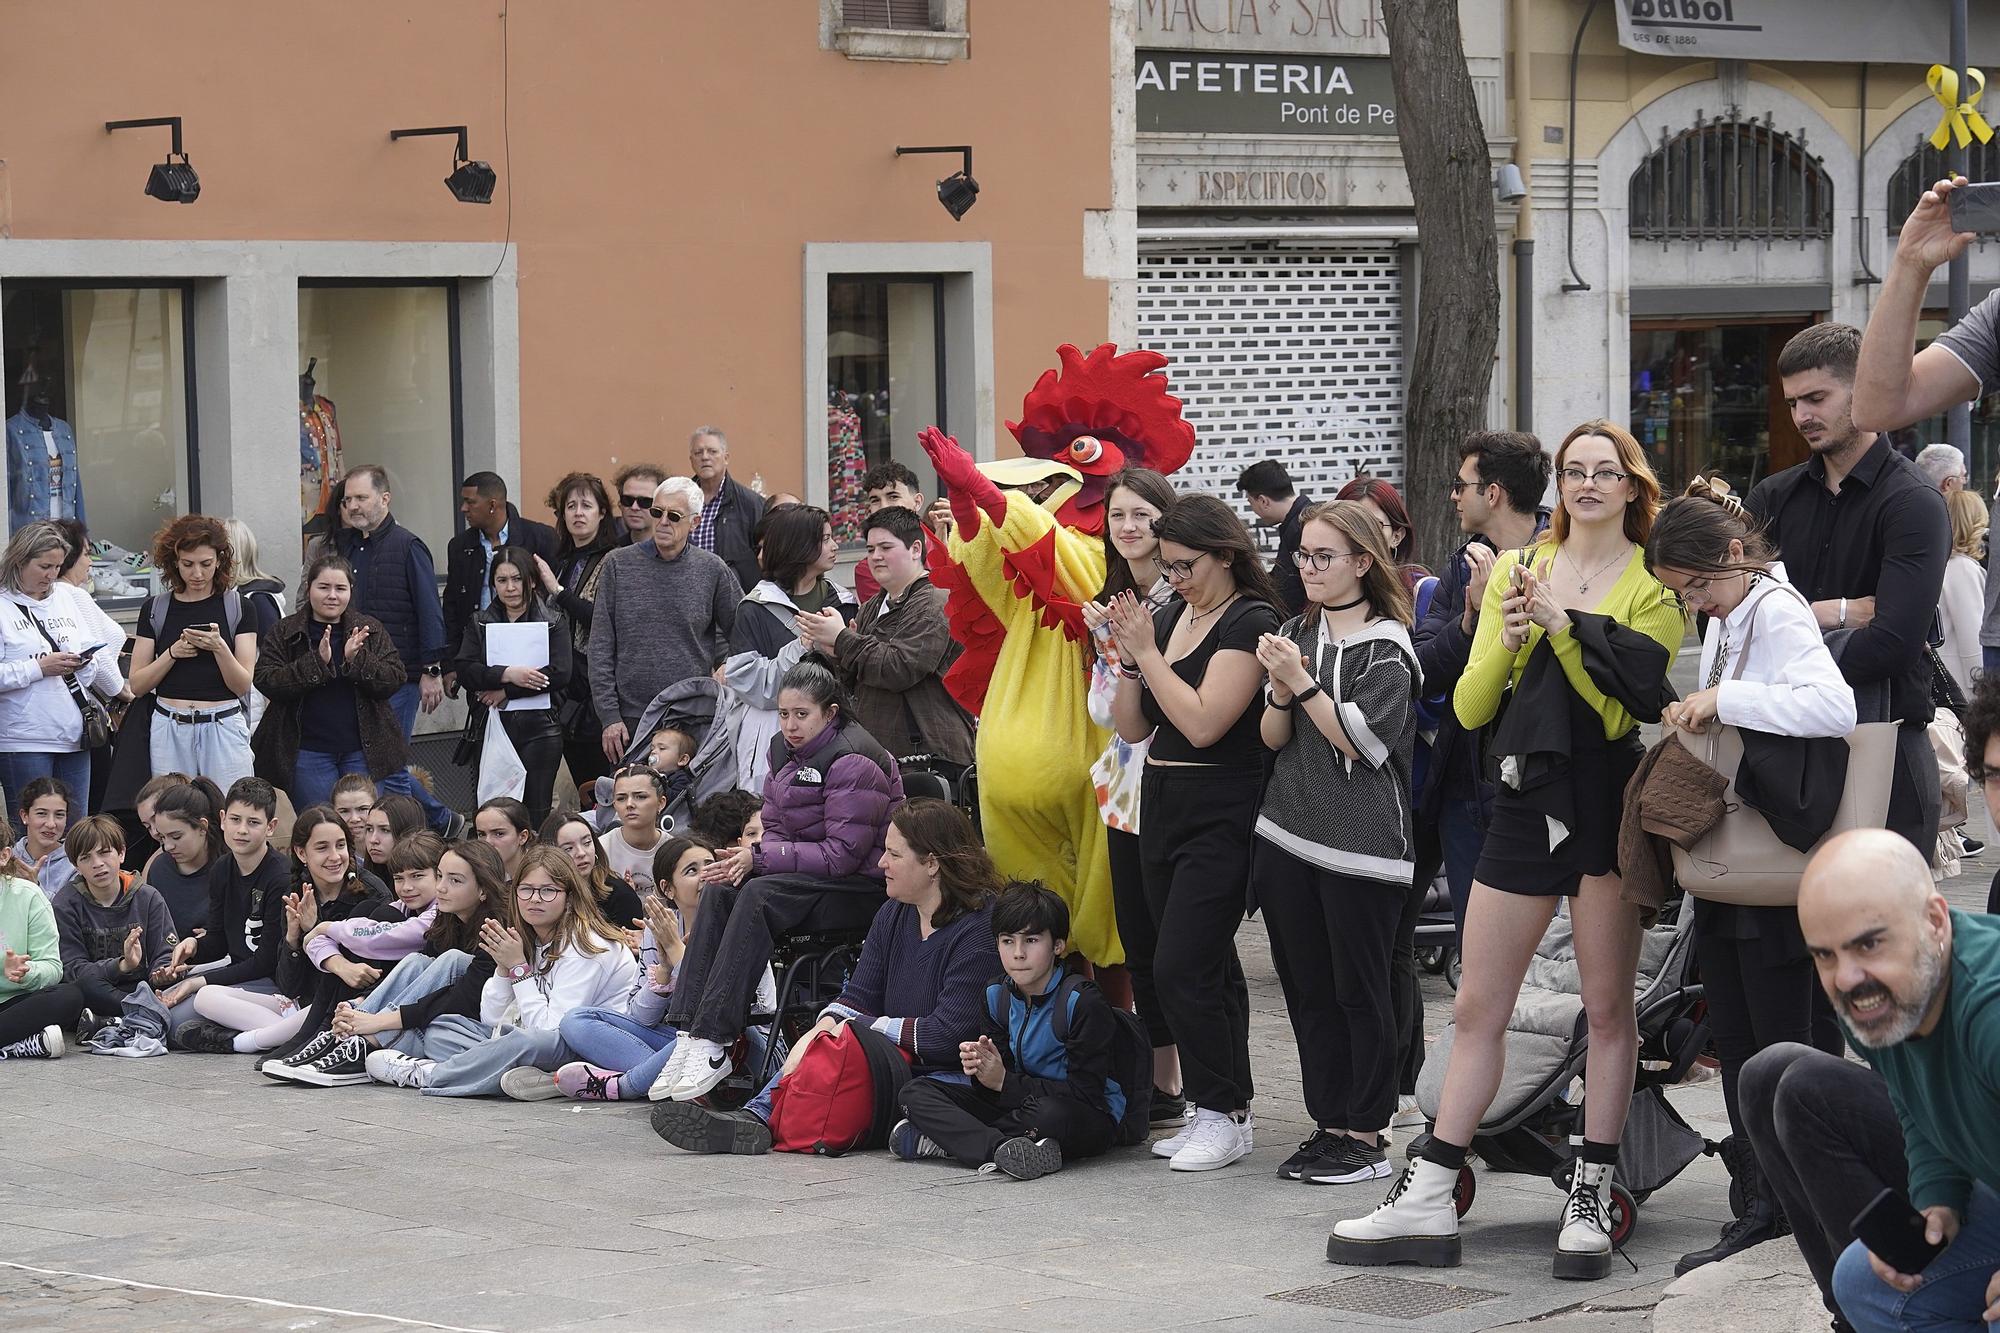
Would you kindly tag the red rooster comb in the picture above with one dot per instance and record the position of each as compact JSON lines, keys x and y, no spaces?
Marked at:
{"x":1121,"y":400}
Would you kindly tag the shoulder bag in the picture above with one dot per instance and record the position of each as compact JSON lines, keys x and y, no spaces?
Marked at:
{"x":1741,"y":860}
{"x":96,"y":719}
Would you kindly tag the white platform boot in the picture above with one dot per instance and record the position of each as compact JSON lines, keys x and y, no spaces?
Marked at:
{"x":1416,"y":1224}
{"x":1583,"y":1250}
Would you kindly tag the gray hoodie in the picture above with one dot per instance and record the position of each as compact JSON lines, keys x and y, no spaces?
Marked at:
{"x":92,"y":937}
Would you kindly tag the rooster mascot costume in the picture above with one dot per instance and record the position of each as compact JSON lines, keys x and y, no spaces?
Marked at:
{"x":1026,"y":551}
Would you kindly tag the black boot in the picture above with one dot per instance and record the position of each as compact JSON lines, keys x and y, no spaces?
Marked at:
{"x":1760,"y":1219}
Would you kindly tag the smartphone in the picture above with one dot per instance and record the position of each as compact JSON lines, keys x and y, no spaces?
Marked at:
{"x":1894,"y":1233}
{"x":1975,"y":207}
{"x":87,"y":653}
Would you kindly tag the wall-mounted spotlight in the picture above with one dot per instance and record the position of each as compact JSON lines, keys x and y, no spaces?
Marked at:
{"x":958,"y":191}
{"x":470,"y":182}
{"x":173,"y":180}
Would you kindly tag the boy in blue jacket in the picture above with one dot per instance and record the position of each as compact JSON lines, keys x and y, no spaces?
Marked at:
{"x":1029,"y":1097}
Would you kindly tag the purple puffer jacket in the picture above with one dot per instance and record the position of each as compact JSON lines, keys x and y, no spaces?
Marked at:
{"x":827,"y":808}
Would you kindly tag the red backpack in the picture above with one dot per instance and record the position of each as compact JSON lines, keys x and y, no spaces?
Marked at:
{"x":842,"y":1096}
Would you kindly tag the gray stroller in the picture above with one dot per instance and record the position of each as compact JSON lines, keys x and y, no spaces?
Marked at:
{"x":692,"y":706}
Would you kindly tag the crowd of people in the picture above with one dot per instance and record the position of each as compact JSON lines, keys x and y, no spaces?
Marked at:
{"x":1317,"y":741}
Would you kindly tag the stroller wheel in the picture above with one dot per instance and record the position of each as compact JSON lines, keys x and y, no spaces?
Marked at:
{"x":1454,"y":965}
{"x":1464,"y":1191}
{"x":1433,"y":959}
{"x":1624,"y":1215}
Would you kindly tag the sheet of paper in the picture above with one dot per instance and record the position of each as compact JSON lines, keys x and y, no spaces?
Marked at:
{"x":525,"y":644}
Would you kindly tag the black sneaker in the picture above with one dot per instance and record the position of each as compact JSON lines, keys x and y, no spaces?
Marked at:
{"x":1028,"y":1159}
{"x":1169,"y":1108}
{"x":695,"y":1128}
{"x":87,"y":1024}
{"x":287,"y":1066}
{"x":1348,"y":1160}
{"x":345,"y":1063}
{"x":1973,"y":846}
{"x":206,"y":1038}
{"x":1314,"y":1149}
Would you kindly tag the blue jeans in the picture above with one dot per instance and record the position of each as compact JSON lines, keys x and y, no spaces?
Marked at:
{"x":403,"y":703}
{"x":218,"y":750}
{"x":610,"y":1040}
{"x":1989,"y":659}
{"x":1953,"y":1295}
{"x":20,"y":767}
{"x":472,"y":1056}
{"x":315,"y":772}
{"x":1461,"y":831}
{"x":411,"y":979}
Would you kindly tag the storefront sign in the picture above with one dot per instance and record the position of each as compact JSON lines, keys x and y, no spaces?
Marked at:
{"x":1321,"y":27}
{"x":1183,"y":93}
{"x":1910,"y":32}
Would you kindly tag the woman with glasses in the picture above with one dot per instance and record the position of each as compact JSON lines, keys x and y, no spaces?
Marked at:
{"x":588,"y":532}
{"x":1571,"y":653}
{"x":1189,"y":680}
{"x":519,"y":698}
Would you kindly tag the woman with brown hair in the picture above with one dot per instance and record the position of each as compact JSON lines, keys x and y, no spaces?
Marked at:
{"x":1576,"y":637}
{"x":1337,"y":846}
{"x":194,"y":654}
{"x":588,"y":530}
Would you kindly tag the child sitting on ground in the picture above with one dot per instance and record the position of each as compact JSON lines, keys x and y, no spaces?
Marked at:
{"x":1034,"y":1098}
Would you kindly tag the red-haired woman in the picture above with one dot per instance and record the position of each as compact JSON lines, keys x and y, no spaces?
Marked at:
{"x":194,"y":652}
{"x":1385,"y":502}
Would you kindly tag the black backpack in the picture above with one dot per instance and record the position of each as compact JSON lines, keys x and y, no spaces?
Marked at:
{"x":1131,"y":1052}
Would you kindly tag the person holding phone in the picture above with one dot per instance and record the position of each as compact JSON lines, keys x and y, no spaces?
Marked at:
{"x":53,"y":665}
{"x":1916,"y":985}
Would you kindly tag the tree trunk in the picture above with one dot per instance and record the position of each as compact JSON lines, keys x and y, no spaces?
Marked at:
{"x":1458,"y":302}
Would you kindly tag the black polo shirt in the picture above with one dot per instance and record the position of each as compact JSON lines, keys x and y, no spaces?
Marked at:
{"x":1884,"y":534}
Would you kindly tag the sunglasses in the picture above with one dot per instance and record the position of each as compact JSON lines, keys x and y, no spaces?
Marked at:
{"x":667,"y":515}
{"x":635,"y":501}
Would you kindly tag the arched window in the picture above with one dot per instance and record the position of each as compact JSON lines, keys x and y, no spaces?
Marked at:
{"x":1729,"y":179}
{"x":1925,"y":167}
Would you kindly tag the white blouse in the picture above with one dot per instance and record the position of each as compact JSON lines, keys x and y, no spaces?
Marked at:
{"x":1789,"y":684}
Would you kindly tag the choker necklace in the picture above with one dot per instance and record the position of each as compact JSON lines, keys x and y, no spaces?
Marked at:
{"x":1344,"y":606}
{"x":1194,"y":617}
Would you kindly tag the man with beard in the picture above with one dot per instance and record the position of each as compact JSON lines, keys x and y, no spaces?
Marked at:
{"x":1916,"y":984}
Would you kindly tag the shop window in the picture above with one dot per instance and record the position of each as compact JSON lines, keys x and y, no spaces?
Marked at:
{"x":885,"y":377}
{"x":1926,"y":167}
{"x":104,"y":367}
{"x":1705,"y":399}
{"x":378,"y":383}
{"x":1731,"y":180}
{"x":922,"y":31}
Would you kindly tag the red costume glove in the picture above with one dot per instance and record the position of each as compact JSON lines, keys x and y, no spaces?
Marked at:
{"x":971,"y":490}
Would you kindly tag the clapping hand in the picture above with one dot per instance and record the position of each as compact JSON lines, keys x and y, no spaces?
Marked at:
{"x":14,"y":967}
{"x":502,"y":944}
{"x":1541,"y":604}
{"x":819,"y":629}
{"x":1285,"y":664}
{"x":729,"y":868}
{"x":326,"y":646}
{"x":356,"y":638}
{"x":132,"y":958}
{"x":981,"y":1060}
{"x":1132,"y":627}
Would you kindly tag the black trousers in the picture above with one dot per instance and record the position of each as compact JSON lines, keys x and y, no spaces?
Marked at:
{"x":1409,"y":993}
{"x":26,"y":1014}
{"x":1194,"y":842}
{"x":539,"y":742}
{"x":1333,"y":938}
{"x":1758,"y":995}
{"x":1827,"y":1141}
{"x":968,"y":1122}
{"x":1136,"y":931}
{"x":585,"y":757}
{"x":103,"y":998}
{"x":735,"y":931}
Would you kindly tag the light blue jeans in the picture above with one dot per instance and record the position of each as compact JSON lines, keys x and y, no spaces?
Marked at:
{"x":1952,"y":1298}
{"x":315,"y":771}
{"x":610,"y":1040}
{"x":472,"y":1056}
{"x":218,"y":750}
{"x":409,"y":980}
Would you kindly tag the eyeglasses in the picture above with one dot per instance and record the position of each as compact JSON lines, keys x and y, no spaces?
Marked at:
{"x":1176,"y":570}
{"x":1321,"y":561}
{"x":667,"y":515}
{"x":539,"y":893}
{"x":636,"y":501}
{"x":1604,"y":477}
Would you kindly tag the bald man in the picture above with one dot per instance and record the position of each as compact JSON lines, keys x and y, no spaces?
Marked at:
{"x":1916,"y":984}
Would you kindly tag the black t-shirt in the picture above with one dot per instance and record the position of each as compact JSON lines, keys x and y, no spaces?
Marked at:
{"x":197,"y":678}
{"x":622,"y":907}
{"x":328,"y":723}
{"x":1237,"y":626}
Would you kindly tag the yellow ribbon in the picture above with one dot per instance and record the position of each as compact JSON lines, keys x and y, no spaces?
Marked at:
{"x":1961,"y":120}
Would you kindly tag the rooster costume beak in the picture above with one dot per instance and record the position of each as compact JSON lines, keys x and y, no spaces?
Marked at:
{"x":1017,"y":473}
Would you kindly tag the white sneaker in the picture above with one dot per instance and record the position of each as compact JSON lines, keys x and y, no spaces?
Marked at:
{"x":398,"y":1070}
{"x":1583,"y":1249}
{"x":1214,"y":1140}
{"x":1408,"y":1115}
{"x":1173,"y":1143}
{"x":707,"y":1065}
{"x":1416,"y":1224}
{"x":670,"y":1072}
{"x":1248,"y":1124}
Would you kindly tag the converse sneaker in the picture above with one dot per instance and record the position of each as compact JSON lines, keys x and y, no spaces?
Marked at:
{"x":670,"y":1072}
{"x":529,"y":1084}
{"x":906,"y":1143}
{"x":1583,"y":1249}
{"x":694,"y":1128}
{"x":1416,"y":1224}
{"x":397,"y":1070}
{"x":581,"y":1082}
{"x":44,"y":1045}
{"x":1321,"y":1143}
{"x":1028,"y":1159}
{"x":1349,"y":1160}
{"x":707,"y":1065}
{"x":342,"y":1065}
{"x":288,"y":1066}
{"x":1214,"y":1140}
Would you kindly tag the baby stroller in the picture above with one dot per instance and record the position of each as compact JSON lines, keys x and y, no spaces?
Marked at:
{"x":1539,"y":1106}
{"x":1437,"y":933}
{"x":690,"y":706}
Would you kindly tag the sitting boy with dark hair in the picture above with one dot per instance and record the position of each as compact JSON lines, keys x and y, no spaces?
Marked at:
{"x":1035,"y":1098}
{"x":1982,"y":754}
{"x":733,"y":818}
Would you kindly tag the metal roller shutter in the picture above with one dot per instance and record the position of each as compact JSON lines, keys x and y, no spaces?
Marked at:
{"x":1280,"y":349}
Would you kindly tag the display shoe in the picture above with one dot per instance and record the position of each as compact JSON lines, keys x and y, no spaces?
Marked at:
{"x":1416,"y":1224}
{"x":206,"y":1038}
{"x":670,"y":1073}
{"x":529,"y":1084}
{"x":1583,"y":1249}
{"x":1168,"y":1108}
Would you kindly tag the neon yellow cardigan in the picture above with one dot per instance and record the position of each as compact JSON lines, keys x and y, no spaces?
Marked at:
{"x":1637,"y":601}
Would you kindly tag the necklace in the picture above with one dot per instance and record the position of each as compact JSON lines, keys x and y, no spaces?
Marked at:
{"x":1345,"y":606}
{"x":1195,"y":618}
{"x":1583,"y":582}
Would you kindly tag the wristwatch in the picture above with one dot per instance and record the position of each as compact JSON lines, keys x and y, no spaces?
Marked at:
{"x":434,"y":671}
{"x":517,"y":973}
